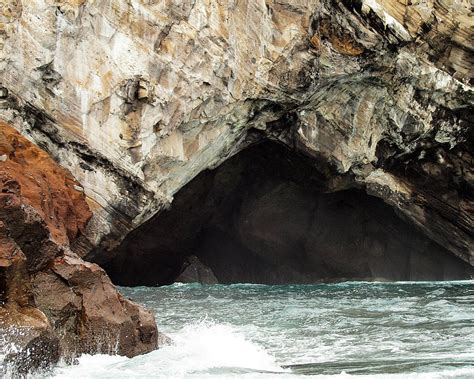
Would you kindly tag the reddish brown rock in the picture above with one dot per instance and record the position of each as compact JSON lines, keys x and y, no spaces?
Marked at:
{"x":89,"y":314}
{"x":25,"y":329}
{"x":35,"y":179}
{"x":50,"y":299}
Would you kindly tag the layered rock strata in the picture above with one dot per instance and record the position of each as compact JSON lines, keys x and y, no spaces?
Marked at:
{"x":137,"y":98}
{"x":52,"y":303}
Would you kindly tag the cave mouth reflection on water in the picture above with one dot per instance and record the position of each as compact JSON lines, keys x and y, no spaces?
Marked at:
{"x":261,"y":217}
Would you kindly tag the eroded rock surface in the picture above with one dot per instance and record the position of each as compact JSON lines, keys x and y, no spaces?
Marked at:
{"x":137,"y":98}
{"x":23,"y":326}
{"x":193,"y":271}
{"x":53,"y":303}
{"x":262,"y":217}
{"x":89,"y":314}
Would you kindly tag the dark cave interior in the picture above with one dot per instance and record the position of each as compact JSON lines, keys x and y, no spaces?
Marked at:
{"x":261,"y":217}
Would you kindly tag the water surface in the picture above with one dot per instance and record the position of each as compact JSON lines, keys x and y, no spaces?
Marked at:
{"x":357,"y":329}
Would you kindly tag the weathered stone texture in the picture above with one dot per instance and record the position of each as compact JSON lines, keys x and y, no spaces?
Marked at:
{"x":52,"y":303}
{"x":137,"y":97}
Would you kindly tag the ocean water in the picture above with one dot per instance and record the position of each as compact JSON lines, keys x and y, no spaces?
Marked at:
{"x":346,"y":330}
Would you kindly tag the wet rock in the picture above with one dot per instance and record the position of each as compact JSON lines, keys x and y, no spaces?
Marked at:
{"x":25,"y":329}
{"x":52,"y":302}
{"x":164,"y":340}
{"x":90,"y":316}
{"x":26,"y":333}
{"x":194,"y":271}
{"x":39,"y":355}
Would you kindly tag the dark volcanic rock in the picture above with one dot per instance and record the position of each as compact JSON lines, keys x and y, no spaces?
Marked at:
{"x":39,"y":354}
{"x":194,"y":271}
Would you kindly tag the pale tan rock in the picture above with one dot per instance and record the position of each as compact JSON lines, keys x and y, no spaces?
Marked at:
{"x":136,"y":98}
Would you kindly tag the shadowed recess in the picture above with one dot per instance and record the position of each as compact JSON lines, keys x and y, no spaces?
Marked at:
{"x":261,"y":217}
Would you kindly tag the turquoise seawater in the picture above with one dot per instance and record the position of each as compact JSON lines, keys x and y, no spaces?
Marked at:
{"x":356,"y":329}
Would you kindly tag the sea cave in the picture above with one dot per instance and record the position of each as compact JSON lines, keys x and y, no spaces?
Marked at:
{"x":263,"y":217}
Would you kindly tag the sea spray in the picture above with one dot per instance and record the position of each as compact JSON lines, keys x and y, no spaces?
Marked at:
{"x":361,"y":330}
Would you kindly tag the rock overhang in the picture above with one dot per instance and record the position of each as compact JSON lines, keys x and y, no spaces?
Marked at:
{"x":364,"y":87}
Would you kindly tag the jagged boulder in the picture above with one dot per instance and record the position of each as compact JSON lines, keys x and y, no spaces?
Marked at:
{"x":88,"y":313}
{"x":194,"y":271}
{"x":52,"y":303}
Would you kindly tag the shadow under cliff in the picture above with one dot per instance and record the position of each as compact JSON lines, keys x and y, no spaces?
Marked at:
{"x":261,"y":217}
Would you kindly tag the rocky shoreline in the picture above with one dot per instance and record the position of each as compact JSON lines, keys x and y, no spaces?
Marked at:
{"x":110,"y":109}
{"x":52,"y":303}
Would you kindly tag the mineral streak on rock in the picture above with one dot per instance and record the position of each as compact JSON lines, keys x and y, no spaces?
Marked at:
{"x":53,"y":303}
{"x":137,"y":98}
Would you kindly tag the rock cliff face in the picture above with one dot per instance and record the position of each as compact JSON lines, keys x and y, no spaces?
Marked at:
{"x":52,"y":303}
{"x":136,"y":98}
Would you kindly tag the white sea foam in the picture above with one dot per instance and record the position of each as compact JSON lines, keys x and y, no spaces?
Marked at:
{"x":350,"y":330}
{"x":197,"y":350}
